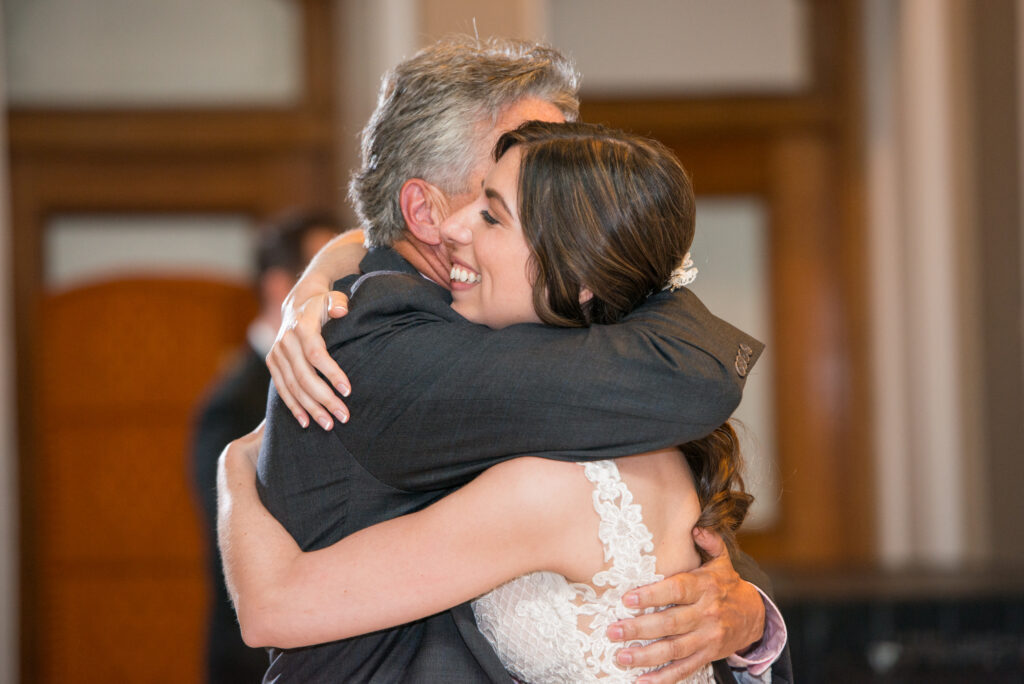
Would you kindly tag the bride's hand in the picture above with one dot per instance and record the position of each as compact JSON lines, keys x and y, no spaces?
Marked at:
{"x":300,"y":351}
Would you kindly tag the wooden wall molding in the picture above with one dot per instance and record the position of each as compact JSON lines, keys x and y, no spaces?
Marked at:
{"x":802,"y":155}
{"x":249,"y":160}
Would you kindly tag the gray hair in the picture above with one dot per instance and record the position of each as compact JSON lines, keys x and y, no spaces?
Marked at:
{"x":430,"y":112}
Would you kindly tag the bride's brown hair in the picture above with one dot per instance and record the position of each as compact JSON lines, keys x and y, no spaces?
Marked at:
{"x":603,"y":210}
{"x":613,"y":213}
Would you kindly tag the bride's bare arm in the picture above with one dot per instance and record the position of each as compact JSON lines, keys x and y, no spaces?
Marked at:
{"x":299,"y":351}
{"x":494,"y":529}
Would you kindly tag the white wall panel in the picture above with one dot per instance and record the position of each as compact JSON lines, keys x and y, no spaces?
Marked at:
{"x":684,"y":46}
{"x":80,"y":249}
{"x":731,"y":252}
{"x":107,"y":53}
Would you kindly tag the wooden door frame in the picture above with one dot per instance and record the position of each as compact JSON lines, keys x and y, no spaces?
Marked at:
{"x":802,"y":153}
{"x":252,"y":160}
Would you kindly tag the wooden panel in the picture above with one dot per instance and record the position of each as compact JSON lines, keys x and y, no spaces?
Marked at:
{"x":238,"y":182}
{"x":724,"y":164}
{"x":119,"y":491}
{"x":40,"y":130}
{"x":169,"y":335}
{"x":810,"y":363}
{"x":117,"y":548}
{"x":801,"y":157}
{"x":663,"y":118}
{"x":126,"y":626}
{"x":111,"y":581}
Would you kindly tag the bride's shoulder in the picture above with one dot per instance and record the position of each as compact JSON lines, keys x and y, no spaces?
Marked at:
{"x":539,"y":492}
{"x":533,"y":469}
{"x":541,"y":483}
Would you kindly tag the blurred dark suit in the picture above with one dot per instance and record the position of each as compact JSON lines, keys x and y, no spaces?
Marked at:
{"x":234,"y":407}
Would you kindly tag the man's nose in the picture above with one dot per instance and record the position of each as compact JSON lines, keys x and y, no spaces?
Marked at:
{"x":455,"y":230}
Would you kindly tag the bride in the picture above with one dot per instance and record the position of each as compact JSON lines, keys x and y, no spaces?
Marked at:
{"x":574,"y":226}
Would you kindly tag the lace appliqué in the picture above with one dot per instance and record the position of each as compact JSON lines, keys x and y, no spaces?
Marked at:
{"x":547,"y":630}
{"x":682,"y":276}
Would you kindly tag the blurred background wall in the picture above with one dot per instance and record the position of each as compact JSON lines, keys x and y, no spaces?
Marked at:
{"x":8,"y":448}
{"x":858,"y":166}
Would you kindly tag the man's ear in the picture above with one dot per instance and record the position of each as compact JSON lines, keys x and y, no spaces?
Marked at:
{"x":424,"y":209}
{"x":585,"y":295}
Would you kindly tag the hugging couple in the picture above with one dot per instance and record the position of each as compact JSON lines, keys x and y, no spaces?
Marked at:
{"x":534,"y":479}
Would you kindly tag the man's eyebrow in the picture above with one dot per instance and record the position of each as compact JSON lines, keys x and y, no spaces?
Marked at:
{"x":493,"y":194}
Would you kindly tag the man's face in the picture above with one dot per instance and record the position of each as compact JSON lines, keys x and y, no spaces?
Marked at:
{"x":527,"y":109}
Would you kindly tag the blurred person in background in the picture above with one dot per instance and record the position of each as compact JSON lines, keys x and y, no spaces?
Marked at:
{"x":234,"y":406}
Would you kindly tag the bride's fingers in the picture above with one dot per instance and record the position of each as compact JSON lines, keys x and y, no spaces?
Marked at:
{"x":290,"y":387}
{"x":282,"y":377}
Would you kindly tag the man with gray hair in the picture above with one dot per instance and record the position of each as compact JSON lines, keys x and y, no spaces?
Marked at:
{"x":425,"y":151}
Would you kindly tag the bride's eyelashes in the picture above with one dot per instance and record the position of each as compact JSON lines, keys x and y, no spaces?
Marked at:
{"x":488,"y":219}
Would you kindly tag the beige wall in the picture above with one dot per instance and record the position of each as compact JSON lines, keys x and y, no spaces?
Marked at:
{"x":515,"y":18}
{"x":173,"y":52}
{"x":8,"y":432}
{"x":946,"y":277}
{"x":654,"y":47}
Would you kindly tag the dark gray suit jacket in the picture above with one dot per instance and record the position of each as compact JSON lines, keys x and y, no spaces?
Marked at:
{"x":436,"y":400}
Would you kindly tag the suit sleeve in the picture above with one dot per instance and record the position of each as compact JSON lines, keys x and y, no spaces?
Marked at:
{"x":443,"y":399}
{"x":775,"y":629}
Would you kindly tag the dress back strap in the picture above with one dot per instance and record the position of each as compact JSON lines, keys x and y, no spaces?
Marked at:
{"x":627,"y":543}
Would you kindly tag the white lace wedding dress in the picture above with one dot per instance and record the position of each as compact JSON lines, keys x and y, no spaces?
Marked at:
{"x":547,"y":630}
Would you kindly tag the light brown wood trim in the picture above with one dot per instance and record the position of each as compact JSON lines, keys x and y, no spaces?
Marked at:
{"x":251,"y":159}
{"x":828,"y":45}
{"x":306,"y":124}
{"x":319,"y":21}
{"x":738,"y":145}
{"x":858,"y":464}
{"x":161,"y":131}
{"x":665,"y":117}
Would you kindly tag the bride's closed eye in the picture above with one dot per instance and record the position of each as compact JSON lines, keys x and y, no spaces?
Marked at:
{"x":488,"y":219}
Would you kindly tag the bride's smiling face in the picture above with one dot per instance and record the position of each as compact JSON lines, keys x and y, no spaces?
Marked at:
{"x":491,"y":278}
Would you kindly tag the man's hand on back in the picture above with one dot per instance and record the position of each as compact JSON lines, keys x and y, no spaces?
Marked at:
{"x":713,"y":614}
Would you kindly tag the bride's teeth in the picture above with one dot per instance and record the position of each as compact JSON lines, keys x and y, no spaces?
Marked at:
{"x":461,"y":275}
